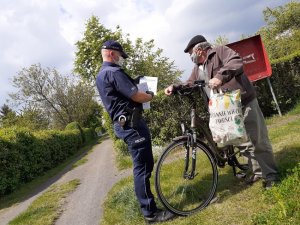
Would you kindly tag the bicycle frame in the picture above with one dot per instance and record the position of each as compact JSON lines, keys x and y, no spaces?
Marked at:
{"x":191,"y":135}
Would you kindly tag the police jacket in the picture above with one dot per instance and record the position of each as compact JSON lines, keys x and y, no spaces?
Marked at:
{"x":225,"y":64}
{"x":116,"y":89}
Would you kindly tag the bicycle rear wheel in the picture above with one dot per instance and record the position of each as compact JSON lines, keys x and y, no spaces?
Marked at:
{"x":178,"y":193}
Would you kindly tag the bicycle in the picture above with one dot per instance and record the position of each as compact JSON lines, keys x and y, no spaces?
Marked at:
{"x":191,"y":163}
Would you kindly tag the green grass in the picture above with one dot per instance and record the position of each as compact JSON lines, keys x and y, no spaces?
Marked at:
{"x":27,"y":189}
{"x":295,"y":111}
{"x":123,"y":161}
{"x":238,"y":204}
{"x":46,"y":208}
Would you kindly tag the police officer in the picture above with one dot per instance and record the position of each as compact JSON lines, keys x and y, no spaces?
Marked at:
{"x":123,"y":101}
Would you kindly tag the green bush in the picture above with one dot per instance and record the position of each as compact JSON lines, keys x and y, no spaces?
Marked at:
{"x":89,"y":134}
{"x":285,"y":81}
{"x":25,"y":155}
{"x":121,"y":147}
{"x":75,"y":125}
{"x":100,"y":130}
{"x":108,"y":126}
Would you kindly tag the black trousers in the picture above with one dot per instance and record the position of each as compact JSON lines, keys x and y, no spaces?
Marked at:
{"x":140,"y":148}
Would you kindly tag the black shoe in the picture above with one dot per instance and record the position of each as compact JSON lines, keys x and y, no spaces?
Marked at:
{"x":268,"y":184}
{"x":252,"y":179}
{"x":159,"y":216}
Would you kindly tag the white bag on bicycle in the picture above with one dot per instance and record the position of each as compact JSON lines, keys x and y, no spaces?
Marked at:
{"x":226,"y":118}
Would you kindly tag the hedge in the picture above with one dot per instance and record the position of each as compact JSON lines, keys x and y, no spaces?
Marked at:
{"x":285,"y":81}
{"x":25,"y":155}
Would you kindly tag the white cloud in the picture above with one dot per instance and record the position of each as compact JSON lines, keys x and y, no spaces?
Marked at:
{"x":34,"y":31}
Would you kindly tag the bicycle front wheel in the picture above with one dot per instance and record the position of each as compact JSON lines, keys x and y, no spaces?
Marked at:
{"x":179,"y":193}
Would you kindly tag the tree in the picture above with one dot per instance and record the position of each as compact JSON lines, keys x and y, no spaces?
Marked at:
{"x":221,"y":40}
{"x":88,"y":58}
{"x":148,"y":62}
{"x":4,"y":111}
{"x":143,"y":60}
{"x":281,"y":35}
{"x":7,"y":115}
{"x":60,"y":98}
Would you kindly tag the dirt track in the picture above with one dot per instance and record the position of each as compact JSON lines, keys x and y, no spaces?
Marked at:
{"x":83,"y":207}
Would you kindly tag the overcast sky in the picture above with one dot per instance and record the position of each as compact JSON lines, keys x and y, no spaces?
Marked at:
{"x":44,"y":31}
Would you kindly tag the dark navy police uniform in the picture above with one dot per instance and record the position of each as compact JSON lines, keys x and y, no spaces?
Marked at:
{"x":116,"y":89}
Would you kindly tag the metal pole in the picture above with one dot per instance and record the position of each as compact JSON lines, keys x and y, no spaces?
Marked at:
{"x":274,"y":97}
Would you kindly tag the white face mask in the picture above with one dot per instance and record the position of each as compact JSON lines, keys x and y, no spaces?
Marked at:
{"x":194,"y":57}
{"x":120,"y":62}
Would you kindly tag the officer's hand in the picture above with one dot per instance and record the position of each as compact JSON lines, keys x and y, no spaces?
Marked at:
{"x":169,"y":90}
{"x":150,"y":93}
{"x":214,"y":83}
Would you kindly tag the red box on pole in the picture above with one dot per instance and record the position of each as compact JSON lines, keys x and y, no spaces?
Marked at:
{"x":256,"y":62}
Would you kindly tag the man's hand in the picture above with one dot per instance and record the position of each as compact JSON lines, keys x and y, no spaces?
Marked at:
{"x":169,"y":90}
{"x":214,"y":83}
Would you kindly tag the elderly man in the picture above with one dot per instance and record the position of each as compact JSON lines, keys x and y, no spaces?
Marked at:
{"x":221,"y":67}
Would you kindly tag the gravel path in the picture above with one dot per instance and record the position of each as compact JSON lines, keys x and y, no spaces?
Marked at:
{"x":84,"y":206}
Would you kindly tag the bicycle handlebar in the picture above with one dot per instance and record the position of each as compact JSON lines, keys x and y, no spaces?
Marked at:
{"x":188,"y":89}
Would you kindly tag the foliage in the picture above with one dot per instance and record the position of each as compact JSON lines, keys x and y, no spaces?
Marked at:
{"x":143,"y":59}
{"x":60,"y":98}
{"x":286,"y":206}
{"x":99,"y":130}
{"x":121,"y":147}
{"x":25,"y":155}
{"x":88,"y":58}
{"x":4,"y":111}
{"x":166,"y":114}
{"x":10,"y":119}
{"x":108,"y":126}
{"x":89,"y":134}
{"x":285,"y":81}
{"x":221,"y":40}
{"x":75,"y":126}
{"x":30,"y":118}
{"x":281,"y":35}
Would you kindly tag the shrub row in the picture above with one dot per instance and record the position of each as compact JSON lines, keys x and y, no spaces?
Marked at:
{"x":285,"y":81}
{"x":25,"y":155}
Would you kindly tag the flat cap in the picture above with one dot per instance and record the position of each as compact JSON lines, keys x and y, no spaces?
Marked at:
{"x":195,"y":40}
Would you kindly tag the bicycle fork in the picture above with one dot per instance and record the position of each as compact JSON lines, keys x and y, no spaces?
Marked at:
{"x":191,"y":144}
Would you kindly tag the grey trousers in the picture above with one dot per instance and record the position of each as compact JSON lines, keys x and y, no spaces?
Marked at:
{"x":258,"y":149}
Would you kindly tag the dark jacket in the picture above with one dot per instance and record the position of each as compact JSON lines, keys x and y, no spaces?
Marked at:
{"x":226,"y":65}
